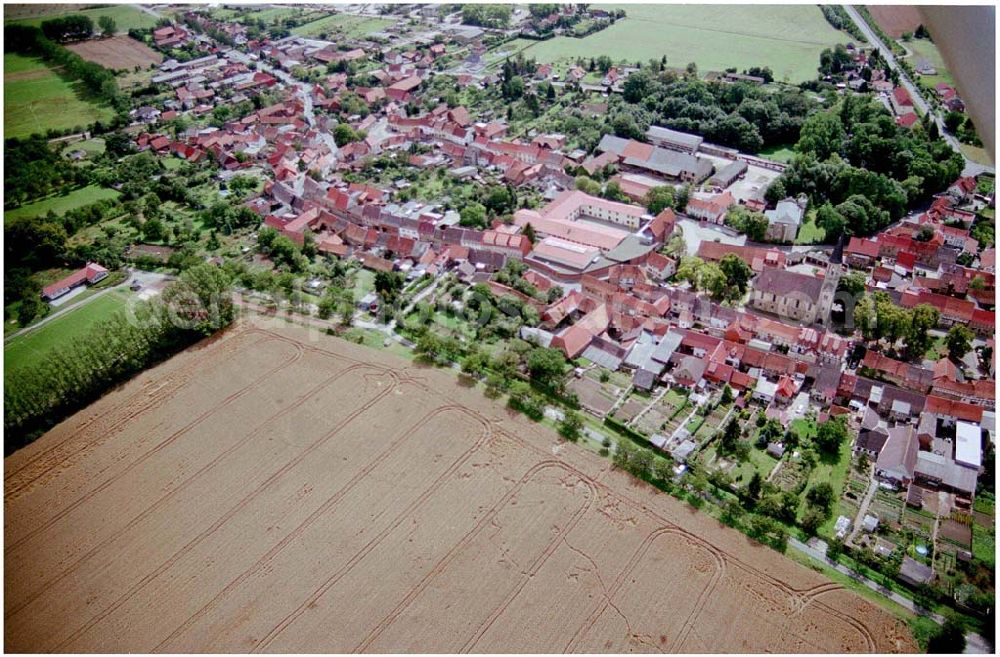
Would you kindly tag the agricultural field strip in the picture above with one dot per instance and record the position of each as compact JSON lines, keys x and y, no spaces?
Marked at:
{"x":272,"y":478}
{"x":37,"y":97}
{"x":20,"y":476}
{"x":728,"y":558}
{"x":267,"y":562}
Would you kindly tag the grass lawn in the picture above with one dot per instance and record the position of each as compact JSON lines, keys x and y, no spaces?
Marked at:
{"x":29,"y":347}
{"x":759,"y":461}
{"x":985,"y":503}
{"x":831,"y":469}
{"x":495,"y":56}
{"x":278,"y":14}
{"x":172,"y":163}
{"x":976,"y":153}
{"x":924,"y":49}
{"x":367,"y":337}
{"x":984,"y":545}
{"x":804,"y":427}
{"x":674,"y":398}
{"x":782,"y":153}
{"x":936,"y":349}
{"x":60,"y":204}
{"x":809,"y":232}
{"x":126,"y":17}
{"x":454,"y":326}
{"x":36,"y":98}
{"x":91,"y":147}
{"x":364,"y":282}
{"x":343,"y":24}
{"x":787,"y":38}
{"x":695,"y":424}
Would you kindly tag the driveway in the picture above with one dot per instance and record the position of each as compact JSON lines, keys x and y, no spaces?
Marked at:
{"x":151,"y":282}
{"x":62,"y":311}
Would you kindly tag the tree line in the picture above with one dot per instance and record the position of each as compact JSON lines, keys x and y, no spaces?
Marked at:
{"x":99,"y":81}
{"x":76,"y":373}
{"x":837,"y":16}
{"x":77,"y":27}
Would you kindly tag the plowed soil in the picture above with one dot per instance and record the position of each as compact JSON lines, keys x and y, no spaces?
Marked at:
{"x":278,"y":491}
{"x":896,"y":19}
{"x":118,"y":52}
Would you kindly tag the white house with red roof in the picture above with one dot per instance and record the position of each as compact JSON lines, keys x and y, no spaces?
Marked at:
{"x":88,"y":275}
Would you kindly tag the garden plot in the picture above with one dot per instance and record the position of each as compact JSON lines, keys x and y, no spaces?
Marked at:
{"x":792,"y":474}
{"x":594,"y":396}
{"x":956,"y":532}
{"x":632,"y":407}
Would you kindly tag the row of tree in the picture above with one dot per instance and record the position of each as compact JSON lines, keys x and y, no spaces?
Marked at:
{"x":75,"y":27}
{"x":96,"y":79}
{"x":838,"y":17}
{"x":76,"y":373}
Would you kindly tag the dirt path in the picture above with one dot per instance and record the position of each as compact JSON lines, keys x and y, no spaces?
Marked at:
{"x":863,"y":507}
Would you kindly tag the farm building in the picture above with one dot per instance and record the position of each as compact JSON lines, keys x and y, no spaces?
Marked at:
{"x":729,"y":174}
{"x":88,"y":275}
{"x":672,"y":139}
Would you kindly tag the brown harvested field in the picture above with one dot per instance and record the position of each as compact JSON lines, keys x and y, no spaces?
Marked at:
{"x":280,"y":491}
{"x":118,"y":52}
{"x":896,"y":19}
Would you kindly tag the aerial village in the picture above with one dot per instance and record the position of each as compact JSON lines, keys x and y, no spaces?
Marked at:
{"x":435,"y":210}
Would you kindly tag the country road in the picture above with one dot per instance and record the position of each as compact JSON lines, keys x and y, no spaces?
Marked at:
{"x":971,"y":168}
{"x":904,"y":602}
{"x":301,"y":88}
{"x":974,"y":643}
{"x":62,"y":311}
{"x":149,"y":10}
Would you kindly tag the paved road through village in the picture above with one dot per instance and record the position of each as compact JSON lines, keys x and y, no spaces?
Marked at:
{"x":971,"y":168}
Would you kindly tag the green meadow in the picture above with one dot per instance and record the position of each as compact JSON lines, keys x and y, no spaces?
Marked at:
{"x":787,"y":38}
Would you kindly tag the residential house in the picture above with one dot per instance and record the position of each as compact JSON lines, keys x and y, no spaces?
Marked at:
{"x":712,"y":210}
{"x":88,"y":275}
{"x":784,"y":220}
{"x":898,"y":458}
{"x":861,"y":253}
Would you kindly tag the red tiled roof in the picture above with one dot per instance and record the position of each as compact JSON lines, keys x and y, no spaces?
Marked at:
{"x":952,"y":408}
{"x":88,"y":273}
{"x":902,"y":96}
{"x":950,"y":307}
